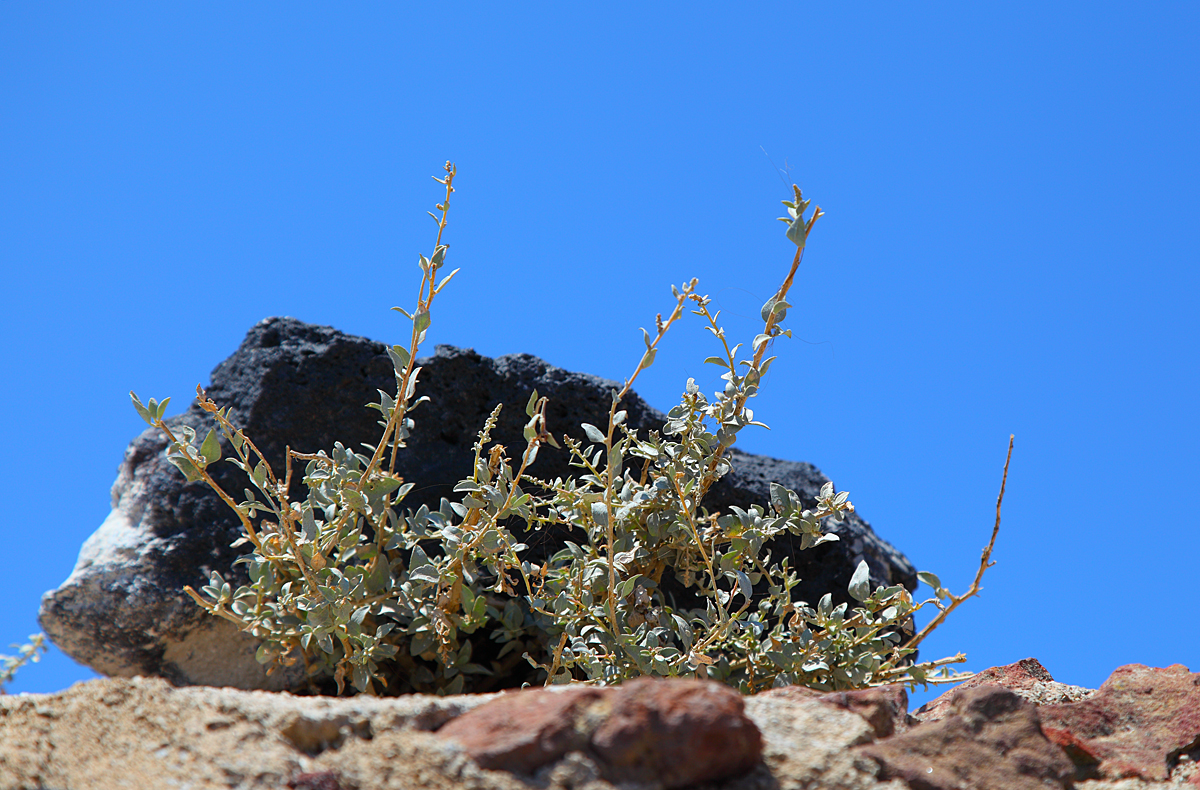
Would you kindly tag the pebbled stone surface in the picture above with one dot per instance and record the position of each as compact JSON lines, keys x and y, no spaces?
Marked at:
{"x":807,"y":743}
{"x":122,"y":611}
{"x":677,"y":732}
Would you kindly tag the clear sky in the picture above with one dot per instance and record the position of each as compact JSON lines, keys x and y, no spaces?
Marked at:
{"x":1010,"y":247}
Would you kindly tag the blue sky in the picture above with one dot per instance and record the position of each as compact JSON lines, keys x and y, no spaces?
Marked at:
{"x":1010,"y":247}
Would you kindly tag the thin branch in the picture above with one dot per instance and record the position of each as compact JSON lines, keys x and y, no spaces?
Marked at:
{"x":984,"y":563}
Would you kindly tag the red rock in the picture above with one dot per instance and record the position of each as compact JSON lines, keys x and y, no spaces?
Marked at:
{"x":672,"y":732}
{"x":989,"y":737}
{"x":1137,"y":724}
{"x":677,"y":732}
{"x":524,"y":730}
{"x":1017,"y":677}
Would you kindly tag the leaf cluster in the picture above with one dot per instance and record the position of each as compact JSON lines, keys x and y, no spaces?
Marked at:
{"x":28,"y":653}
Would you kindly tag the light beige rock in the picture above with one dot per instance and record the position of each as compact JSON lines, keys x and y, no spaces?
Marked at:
{"x":143,"y":733}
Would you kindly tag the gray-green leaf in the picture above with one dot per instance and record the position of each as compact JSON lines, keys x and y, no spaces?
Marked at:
{"x":141,"y":409}
{"x":930,"y":578}
{"x":860,"y":582}
{"x":744,"y":584}
{"x":211,"y":448}
{"x":400,"y":358}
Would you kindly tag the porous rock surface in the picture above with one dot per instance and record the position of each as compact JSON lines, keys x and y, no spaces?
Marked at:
{"x":122,"y":611}
{"x":1139,"y":732}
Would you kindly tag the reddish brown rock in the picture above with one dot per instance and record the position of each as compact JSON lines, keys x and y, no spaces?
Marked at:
{"x":1014,"y":677}
{"x":1027,"y":678}
{"x":677,"y":732}
{"x":990,"y":737}
{"x":1137,"y":724}
{"x":885,"y":708}
{"x":524,"y":730}
{"x":673,"y":732}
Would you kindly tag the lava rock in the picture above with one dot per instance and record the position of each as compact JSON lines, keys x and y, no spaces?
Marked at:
{"x":298,"y":385}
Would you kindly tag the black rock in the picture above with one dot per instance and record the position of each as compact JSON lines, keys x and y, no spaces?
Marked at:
{"x":293,"y":384}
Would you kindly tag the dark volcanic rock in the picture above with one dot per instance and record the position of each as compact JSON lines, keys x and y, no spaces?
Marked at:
{"x":304,"y":386}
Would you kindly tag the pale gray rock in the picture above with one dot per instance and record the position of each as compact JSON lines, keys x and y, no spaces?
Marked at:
{"x":807,"y":744}
{"x":122,"y":611}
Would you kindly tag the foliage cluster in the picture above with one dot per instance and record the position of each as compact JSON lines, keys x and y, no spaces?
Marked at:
{"x":30,"y":652}
{"x":382,"y":598}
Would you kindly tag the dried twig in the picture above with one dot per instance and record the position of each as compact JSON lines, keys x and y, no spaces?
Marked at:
{"x":984,"y":563}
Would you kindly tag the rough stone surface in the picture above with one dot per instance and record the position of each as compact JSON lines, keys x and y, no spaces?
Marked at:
{"x":885,"y":709}
{"x":807,"y":744}
{"x":990,"y":738}
{"x":524,"y":731}
{"x":121,"y":611}
{"x":677,"y":732}
{"x":144,"y":732}
{"x":1138,"y":724}
{"x":1027,"y":678}
{"x":674,"y":732}
{"x":140,"y":732}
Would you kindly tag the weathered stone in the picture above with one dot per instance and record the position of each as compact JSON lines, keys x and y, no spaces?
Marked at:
{"x":316,"y":780}
{"x":807,"y":744}
{"x":673,"y":732}
{"x":523,"y":731}
{"x":990,"y":738}
{"x":122,"y":612}
{"x":677,"y":732}
{"x":1027,"y":678}
{"x":1136,"y":725}
{"x":884,"y":708}
{"x":143,"y":732}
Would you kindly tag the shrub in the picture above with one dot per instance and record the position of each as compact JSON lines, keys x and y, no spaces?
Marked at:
{"x":389,"y":599}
